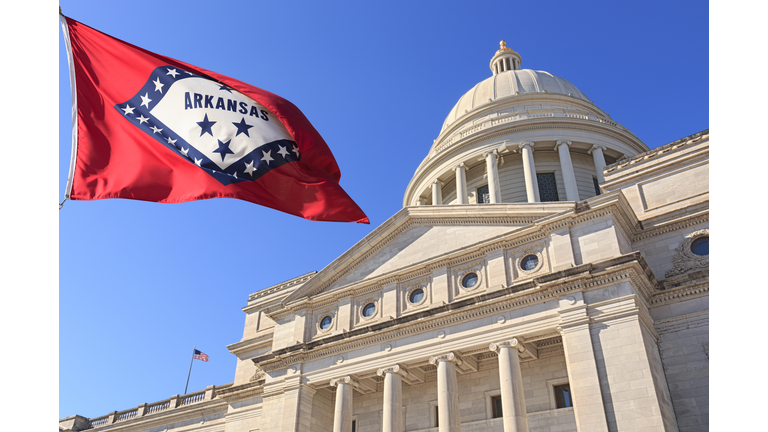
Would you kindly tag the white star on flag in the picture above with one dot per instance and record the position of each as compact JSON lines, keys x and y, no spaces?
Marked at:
{"x":296,"y":150}
{"x":198,"y":161}
{"x":172,"y":72}
{"x":145,"y":100}
{"x":283,"y":151}
{"x":155,"y":129}
{"x":142,"y":119}
{"x":267,"y":156}
{"x":185,"y":151}
{"x":127,"y":109}
{"x":249,"y":168}
{"x":171,"y":141}
{"x":158,"y":85}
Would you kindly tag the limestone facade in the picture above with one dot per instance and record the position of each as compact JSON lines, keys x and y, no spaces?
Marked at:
{"x":504,"y":313}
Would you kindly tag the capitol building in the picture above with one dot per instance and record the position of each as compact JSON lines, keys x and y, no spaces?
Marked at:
{"x":547,"y":273}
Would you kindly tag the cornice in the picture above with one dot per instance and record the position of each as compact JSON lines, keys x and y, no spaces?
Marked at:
{"x":289,"y":283}
{"x":263,"y":340}
{"x":701,"y":218}
{"x":578,"y":110}
{"x":642,"y":157}
{"x":547,"y":287}
{"x":242,"y":391}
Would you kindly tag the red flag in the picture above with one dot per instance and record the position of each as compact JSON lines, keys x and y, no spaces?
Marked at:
{"x":152,"y":128}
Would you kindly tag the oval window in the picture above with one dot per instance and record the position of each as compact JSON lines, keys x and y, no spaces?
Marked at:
{"x":369,"y":310}
{"x":529,"y":262}
{"x":416,"y":296}
{"x":469,"y":280}
{"x":325,"y":323}
{"x":700,"y":246}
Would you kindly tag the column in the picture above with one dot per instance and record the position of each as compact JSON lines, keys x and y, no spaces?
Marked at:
{"x":566,"y":166}
{"x":511,"y":380}
{"x":493,"y":176}
{"x":461,"y":183}
{"x":529,"y":171}
{"x":392,"y":417}
{"x":342,"y":413}
{"x":447,"y":392}
{"x":597,"y":155}
{"x":437,"y":194}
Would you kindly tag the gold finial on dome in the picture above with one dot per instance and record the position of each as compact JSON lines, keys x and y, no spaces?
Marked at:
{"x":503,"y":47}
{"x":505,"y":59}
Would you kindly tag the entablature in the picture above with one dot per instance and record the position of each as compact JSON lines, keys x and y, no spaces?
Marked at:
{"x":629,"y":268}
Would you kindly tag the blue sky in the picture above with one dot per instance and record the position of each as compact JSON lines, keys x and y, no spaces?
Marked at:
{"x":141,"y":283}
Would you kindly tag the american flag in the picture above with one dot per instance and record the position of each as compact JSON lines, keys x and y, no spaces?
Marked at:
{"x":200,"y":355}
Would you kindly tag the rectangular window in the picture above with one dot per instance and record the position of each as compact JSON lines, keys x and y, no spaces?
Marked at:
{"x":437,"y":418}
{"x":563,"y":396}
{"x":354,"y":426}
{"x":547,"y":187}
{"x":597,"y":186}
{"x":496,"y":406}
{"x":483,"y":197}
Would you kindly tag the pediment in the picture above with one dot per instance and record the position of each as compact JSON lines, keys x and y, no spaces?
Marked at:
{"x":421,"y":233}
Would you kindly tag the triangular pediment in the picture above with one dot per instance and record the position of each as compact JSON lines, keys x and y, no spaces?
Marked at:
{"x":418,"y":234}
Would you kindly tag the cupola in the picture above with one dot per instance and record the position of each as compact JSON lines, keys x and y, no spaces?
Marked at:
{"x":505,"y":59}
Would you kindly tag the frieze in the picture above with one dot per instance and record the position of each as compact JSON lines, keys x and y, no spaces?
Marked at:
{"x":676,"y":294}
{"x":491,"y":306}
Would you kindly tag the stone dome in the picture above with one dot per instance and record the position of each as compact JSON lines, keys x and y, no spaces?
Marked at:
{"x":508,"y":84}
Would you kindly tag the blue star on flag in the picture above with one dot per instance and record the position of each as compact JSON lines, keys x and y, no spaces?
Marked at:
{"x":224,"y":149}
{"x":242,"y":127}
{"x":205,"y":126}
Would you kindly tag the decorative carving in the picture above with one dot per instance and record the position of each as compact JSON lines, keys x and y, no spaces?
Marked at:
{"x":258,"y":375}
{"x":685,"y":260}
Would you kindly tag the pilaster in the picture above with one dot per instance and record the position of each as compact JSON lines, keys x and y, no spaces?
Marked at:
{"x":583,"y":378}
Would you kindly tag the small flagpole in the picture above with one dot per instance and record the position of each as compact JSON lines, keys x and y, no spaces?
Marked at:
{"x":190,"y":368}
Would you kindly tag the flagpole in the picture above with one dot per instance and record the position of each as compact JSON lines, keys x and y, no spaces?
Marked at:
{"x":73,"y":90}
{"x":190,"y":368}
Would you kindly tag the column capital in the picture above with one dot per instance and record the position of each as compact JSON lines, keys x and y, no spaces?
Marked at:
{"x":526,"y":144}
{"x":595,"y":147}
{"x":490,"y":152}
{"x":392,"y":369}
{"x":449,"y":357}
{"x":512,"y":343}
{"x":561,"y":142}
{"x":438,"y":182}
{"x":345,"y":380}
{"x":460,"y":166}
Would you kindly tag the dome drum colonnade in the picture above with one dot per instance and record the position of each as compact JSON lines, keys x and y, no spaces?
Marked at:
{"x":525,"y":110}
